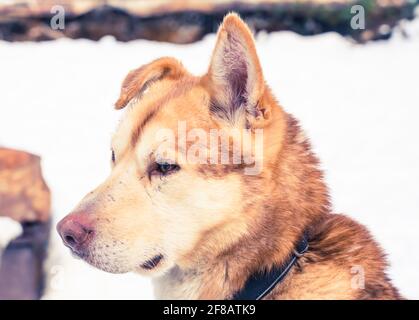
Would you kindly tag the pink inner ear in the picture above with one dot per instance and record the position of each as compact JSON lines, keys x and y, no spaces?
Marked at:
{"x":235,"y":74}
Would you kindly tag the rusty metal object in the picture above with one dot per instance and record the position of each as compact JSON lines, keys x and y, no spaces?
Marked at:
{"x":24,"y":195}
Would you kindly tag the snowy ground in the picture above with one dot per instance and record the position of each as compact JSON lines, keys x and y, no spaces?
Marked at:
{"x":9,"y":230}
{"x":359,"y":105}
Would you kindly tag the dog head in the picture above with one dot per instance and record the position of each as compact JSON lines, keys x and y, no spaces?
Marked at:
{"x":187,"y":158}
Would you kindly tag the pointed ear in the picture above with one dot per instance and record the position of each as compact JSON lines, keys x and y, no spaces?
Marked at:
{"x":235,"y":74}
{"x":138,"y":80}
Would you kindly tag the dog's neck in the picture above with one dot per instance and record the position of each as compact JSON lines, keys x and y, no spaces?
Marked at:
{"x":297,"y":198}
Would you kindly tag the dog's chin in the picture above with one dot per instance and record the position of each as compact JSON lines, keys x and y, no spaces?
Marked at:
{"x":156,"y":265}
{"x":109,"y":266}
{"x":153,"y":267}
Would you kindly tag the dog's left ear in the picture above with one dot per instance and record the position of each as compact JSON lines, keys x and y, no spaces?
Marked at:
{"x":235,"y":75}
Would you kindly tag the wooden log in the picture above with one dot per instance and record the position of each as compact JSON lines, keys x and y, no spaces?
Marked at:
{"x":189,"y":21}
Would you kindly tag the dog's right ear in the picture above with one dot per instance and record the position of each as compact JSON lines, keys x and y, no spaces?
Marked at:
{"x":138,"y":80}
{"x":235,"y":76}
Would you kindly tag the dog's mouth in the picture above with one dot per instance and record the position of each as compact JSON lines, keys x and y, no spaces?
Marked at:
{"x":152,"y":263}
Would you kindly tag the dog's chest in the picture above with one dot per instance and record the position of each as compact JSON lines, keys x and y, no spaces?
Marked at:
{"x":177,"y":284}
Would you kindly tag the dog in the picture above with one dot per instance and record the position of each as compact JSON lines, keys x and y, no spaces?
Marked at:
{"x":207,"y":229}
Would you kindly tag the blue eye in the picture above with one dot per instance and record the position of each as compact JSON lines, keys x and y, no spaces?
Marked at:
{"x":166,"y":168}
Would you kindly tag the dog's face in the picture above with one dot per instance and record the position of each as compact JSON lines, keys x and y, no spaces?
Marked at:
{"x":168,"y":199}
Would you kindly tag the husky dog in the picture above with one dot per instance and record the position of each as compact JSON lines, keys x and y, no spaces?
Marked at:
{"x":203,"y":229}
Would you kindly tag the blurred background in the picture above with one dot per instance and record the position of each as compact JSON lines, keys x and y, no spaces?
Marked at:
{"x":347,"y":69}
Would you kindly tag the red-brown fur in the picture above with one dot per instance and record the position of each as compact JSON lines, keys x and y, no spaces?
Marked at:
{"x":262,"y":217}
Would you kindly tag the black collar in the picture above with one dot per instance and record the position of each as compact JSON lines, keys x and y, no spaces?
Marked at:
{"x":261,"y":284}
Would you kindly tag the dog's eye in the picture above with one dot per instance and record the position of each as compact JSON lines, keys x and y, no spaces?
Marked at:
{"x":113,"y":156}
{"x":165,"y":168}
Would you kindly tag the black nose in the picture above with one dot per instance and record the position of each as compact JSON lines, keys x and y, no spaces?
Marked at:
{"x":75,"y":235}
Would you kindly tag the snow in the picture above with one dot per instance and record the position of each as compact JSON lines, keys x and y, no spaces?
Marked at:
{"x":9,"y":230}
{"x":358,"y":103}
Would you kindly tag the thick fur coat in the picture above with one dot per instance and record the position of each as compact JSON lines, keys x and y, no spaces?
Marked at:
{"x":202,"y":229}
